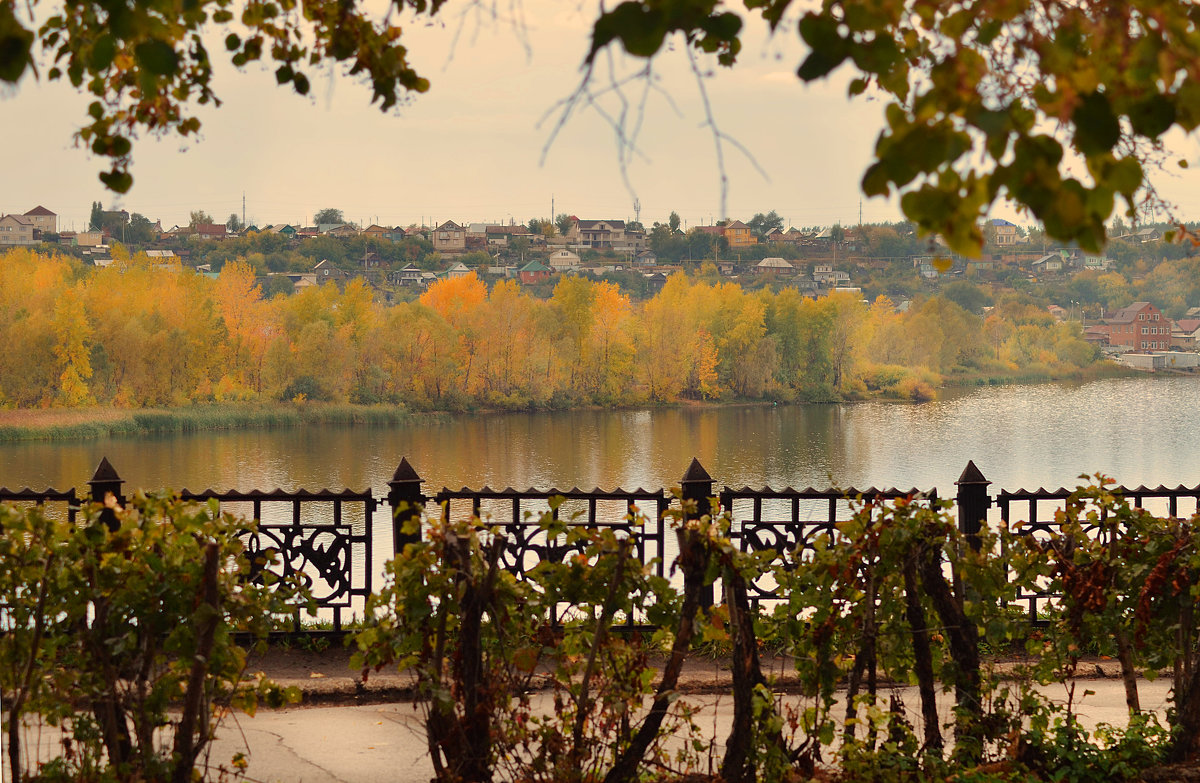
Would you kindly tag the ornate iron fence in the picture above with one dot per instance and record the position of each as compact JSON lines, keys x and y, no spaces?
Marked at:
{"x":327,"y":536}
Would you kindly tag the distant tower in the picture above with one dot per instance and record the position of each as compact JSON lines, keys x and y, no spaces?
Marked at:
{"x":637,"y":211}
{"x":243,"y":209}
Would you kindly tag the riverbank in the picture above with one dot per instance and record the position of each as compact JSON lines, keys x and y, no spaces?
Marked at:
{"x":62,"y":424}
{"x":92,"y":423}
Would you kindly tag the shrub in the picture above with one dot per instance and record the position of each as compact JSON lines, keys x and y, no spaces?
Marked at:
{"x":120,"y":630}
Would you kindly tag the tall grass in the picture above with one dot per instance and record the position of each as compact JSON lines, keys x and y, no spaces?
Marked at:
{"x":201,"y":418}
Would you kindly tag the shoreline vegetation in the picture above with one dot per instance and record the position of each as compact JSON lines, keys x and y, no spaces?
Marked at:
{"x":159,"y":348}
{"x":102,"y":422}
{"x":93,"y":423}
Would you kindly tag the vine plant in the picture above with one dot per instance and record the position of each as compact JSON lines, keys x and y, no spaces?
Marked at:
{"x":120,"y":630}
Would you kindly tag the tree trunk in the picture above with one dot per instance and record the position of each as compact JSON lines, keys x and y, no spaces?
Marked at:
{"x":1128,"y":672}
{"x":738,"y":765}
{"x":693,"y":561}
{"x":185,"y":749}
{"x":964,"y":651}
{"x":923,"y":658}
{"x":1186,"y":745}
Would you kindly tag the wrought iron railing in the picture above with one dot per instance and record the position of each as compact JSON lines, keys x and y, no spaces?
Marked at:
{"x":327,"y":537}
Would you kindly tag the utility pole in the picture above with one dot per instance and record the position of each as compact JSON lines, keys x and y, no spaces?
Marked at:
{"x":243,"y":209}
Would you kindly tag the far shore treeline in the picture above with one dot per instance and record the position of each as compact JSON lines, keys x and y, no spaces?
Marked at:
{"x":138,"y":334}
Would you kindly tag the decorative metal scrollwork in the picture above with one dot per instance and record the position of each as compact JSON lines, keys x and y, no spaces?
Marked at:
{"x":319,"y":556}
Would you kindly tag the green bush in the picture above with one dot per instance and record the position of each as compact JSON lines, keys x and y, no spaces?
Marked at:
{"x":120,"y":630}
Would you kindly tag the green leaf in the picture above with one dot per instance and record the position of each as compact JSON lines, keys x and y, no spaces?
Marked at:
{"x":640,"y":29}
{"x":1125,"y":176}
{"x":117,"y":180}
{"x":157,"y":57}
{"x":1153,"y":116}
{"x":103,"y":52}
{"x":1096,"y":127}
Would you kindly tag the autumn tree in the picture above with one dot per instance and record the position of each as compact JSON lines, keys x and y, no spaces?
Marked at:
{"x":72,"y":335}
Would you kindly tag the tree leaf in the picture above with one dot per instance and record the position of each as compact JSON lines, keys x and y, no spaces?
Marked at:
{"x":157,"y":56}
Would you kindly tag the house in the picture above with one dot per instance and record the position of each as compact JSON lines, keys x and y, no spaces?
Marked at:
{"x":826,"y":275}
{"x":600,"y":234}
{"x":1047,"y":264}
{"x":209,"y":230}
{"x":1147,"y":235}
{"x":409,"y":276}
{"x":162,"y":256}
{"x":371,"y":260}
{"x":342,"y":230}
{"x":43,"y":220}
{"x":458,"y":269}
{"x":793,"y":236}
{"x":450,"y":238}
{"x":1003,"y":233}
{"x":499,"y":236}
{"x":285,"y":229}
{"x":1139,"y":327}
{"x":534,"y":272}
{"x":561,"y":260}
{"x":738,"y":234}
{"x":774,"y":266}
{"x":88,"y":239}
{"x":16,"y":230}
{"x":655,"y":281}
{"x":645,"y":258}
{"x":1185,"y":334}
{"x":1058,"y":313}
{"x":326,"y":272}
{"x":377,"y":232}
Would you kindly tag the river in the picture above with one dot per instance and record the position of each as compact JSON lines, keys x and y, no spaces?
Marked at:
{"x":1138,"y":430}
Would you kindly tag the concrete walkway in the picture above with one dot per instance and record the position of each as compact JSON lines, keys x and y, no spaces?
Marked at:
{"x":385,"y":742}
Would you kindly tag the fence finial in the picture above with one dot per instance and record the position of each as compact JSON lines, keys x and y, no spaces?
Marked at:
{"x":105,"y":482}
{"x":973,"y":503}
{"x":406,"y":500}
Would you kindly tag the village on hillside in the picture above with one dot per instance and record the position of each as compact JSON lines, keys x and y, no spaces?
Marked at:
{"x":398,"y":262}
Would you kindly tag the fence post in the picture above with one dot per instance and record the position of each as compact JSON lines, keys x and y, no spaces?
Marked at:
{"x":407,"y":502}
{"x":697,"y":488}
{"x":973,"y":503}
{"x":106,"y":482}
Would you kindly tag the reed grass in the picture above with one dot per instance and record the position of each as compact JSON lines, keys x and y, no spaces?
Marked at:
{"x":92,"y":424}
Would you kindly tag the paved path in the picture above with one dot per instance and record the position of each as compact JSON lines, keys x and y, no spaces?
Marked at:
{"x":385,"y":741}
{"x":364,"y":744}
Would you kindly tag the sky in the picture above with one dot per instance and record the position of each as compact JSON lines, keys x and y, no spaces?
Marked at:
{"x":485,"y":143}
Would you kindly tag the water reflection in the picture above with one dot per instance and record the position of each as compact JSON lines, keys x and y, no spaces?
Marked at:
{"x":1138,"y":430}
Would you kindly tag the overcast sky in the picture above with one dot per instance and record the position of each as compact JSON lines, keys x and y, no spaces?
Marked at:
{"x":478,"y":146}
